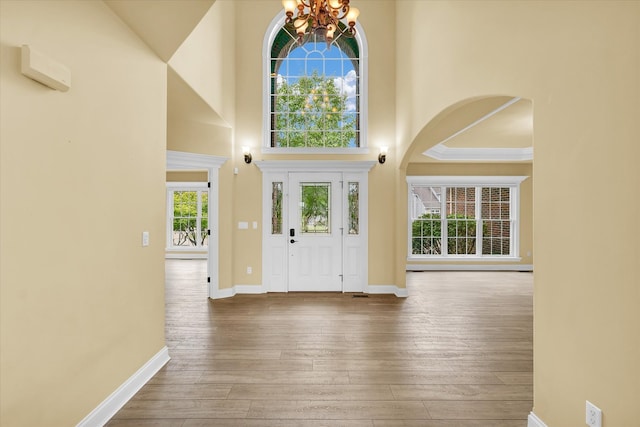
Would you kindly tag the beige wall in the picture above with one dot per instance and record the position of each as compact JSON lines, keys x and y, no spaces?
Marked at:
{"x":82,"y":175}
{"x":201,"y":115}
{"x":205,"y":60}
{"x":579,"y":61}
{"x":254,"y":16}
{"x":187,"y":176}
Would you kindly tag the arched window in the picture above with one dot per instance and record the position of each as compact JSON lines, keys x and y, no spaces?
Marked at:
{"x":315,"y":91}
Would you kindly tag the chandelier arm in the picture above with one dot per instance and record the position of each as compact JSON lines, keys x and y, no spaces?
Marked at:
{"x":343,"y":8}
{"x":336,"y":12}
{"x":303,"y":22}
{"x":321,"y":16}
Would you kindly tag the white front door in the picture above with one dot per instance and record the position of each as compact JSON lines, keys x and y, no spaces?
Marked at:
{"x":325,"y":204}
{"x":315,"y":232}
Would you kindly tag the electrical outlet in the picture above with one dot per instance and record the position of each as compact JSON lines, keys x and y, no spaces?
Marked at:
{"x":594,"y":415}
{"x":249,"y":270}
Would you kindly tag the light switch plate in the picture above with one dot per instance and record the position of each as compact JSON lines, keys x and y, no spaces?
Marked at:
{"x":145,"y":238}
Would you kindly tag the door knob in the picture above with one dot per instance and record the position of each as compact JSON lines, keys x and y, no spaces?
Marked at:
{"x":293,"y":241}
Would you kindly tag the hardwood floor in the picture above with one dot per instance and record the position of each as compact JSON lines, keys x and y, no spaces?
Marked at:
{"x":456,"y":353}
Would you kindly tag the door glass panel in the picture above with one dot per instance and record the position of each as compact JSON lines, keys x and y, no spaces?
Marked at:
{"x":315,"y":207}
{"x":204,"y":218}
{"x":276,"y":208}
{"x":185,"y":213}
{"x":354,"y":208}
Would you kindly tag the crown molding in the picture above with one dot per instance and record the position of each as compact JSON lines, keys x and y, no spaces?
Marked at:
{"x":442,"y":152}
{"x":314,"y":165}
{"x":184,"y":160}
{"x":445,"y":180}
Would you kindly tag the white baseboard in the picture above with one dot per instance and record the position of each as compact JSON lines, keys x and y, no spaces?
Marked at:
{"x":388,"y":289}
{"x":250,"y":289}
{"x":239,"y":289}
{"x":534,"y":421}
{"x":469,"y":267}
{"x":177,"y":255}
{"x":223,"y":293}
{"x":112,"y":404}
{"x":259,"y":289}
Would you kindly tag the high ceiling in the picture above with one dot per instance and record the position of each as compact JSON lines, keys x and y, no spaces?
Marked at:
{"x":163,"y":25}
{"x":508,"y":126}
{"x":490,"y":129}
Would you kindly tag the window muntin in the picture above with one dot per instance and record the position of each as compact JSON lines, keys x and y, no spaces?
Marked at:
{"x":480,"y":219}
{"x":314,"y":92}
{"x":496,"y":217}
{"x":188,"y":221}
{"x":315,"y":208}
{"x":461,"y":220}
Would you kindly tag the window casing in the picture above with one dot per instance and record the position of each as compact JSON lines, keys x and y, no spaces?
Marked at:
{"x":314,"y":96}
{"x":480,"y":220}
{"x":188,"y":216}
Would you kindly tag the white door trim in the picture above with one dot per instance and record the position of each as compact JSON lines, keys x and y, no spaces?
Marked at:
{"x":275,"y":247}
{"x":286,"y":166}
{"x":179,"y":160}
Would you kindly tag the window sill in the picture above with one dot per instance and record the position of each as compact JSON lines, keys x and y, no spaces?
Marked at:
{"x":305,"y":150}
{"x":465,"y":258}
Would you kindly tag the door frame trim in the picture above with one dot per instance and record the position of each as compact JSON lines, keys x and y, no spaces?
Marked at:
{"x":286,"y":166}
{"x":180,"y":160}
{"x":274,"y":248}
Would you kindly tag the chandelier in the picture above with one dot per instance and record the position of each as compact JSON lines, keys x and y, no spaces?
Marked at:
{"x":321,"y":17}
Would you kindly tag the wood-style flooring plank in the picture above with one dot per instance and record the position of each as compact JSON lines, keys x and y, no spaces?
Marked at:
{"x":449,"y":423}
{"x":274,"y":377}
{"x":184,"y":408}
{"x":183,"y":391}
{"x":147,"y":423}
{"x":337,"y":410}
{"x":311,"y":392}
{"x":278,"y":423}
{"x":458,"y":352}
{"x":462,"y":392}
{"x":416,"y":376}
{"x":479,"y":410}
{"x":515,"y":377}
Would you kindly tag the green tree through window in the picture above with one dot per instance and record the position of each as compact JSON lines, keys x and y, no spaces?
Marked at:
{"x":310,"y":113}
{"x":190,"y":218}
{"x":315,"y":92}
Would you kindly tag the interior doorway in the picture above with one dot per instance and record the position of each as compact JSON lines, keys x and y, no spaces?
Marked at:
{"x":177,"y":160}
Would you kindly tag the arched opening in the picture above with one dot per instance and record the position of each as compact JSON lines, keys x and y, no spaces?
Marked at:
{"x":470,"y":191}
{"x":314,"y":94}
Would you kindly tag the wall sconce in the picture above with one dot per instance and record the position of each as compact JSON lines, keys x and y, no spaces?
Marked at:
{"x":247,"y":154}
{"x":382,"y":157}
